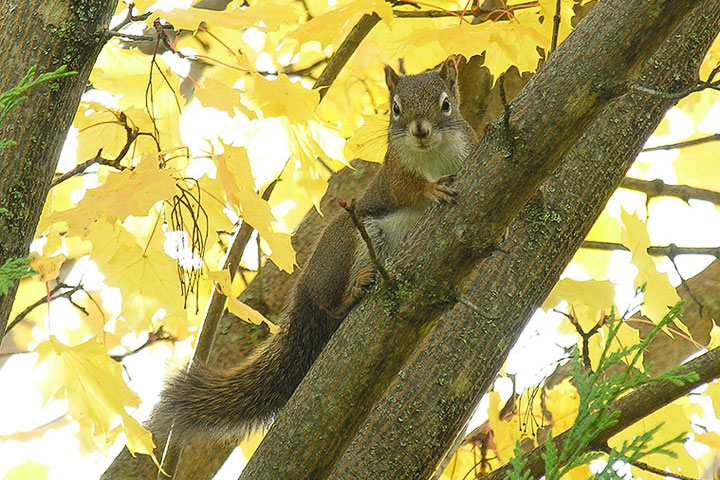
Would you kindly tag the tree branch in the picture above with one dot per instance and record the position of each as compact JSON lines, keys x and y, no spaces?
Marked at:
{"x":131,"y":134}
{"x":657,"y":188}
{"x":671,"y":250}
{"x":710,"y":83}
{"x":156,"y":336}
{"x":39,"y":128}
{"x":686,"y":143}
{"x":344,"y":52}
{"x":634,"y":407}
{"x":67,"y":294}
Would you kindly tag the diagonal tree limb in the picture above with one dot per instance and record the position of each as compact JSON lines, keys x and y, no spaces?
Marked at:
{"x":579,"y":80}
{"x":455,"y":364}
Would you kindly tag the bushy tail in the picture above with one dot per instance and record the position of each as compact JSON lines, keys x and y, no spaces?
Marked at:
{"x":233,"y":402}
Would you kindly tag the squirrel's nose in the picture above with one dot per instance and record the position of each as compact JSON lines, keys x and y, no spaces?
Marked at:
{"x":420,"y":128}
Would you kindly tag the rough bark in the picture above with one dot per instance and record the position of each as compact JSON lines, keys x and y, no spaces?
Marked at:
{"x":46,"y":35}
{"x":549,"y":115}
{"x":457,"y":362}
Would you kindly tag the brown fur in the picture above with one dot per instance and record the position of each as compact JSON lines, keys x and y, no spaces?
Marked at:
{"x":337,"y":275}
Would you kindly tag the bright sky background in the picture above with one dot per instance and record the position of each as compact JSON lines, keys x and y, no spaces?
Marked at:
{"x":534,"y":356}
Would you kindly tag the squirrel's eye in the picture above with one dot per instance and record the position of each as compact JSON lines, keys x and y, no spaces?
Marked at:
{"x":445,"y":107}
{"x":396,"y":108}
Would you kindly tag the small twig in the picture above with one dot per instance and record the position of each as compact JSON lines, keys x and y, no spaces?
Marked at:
{"x":556,"y":27}
{"x":698,"y":86}
{"x":479,"y":13}
{"x":656,"y":188}
{"x":686,"y":143}
{"x":683,"y":283}
{"x":156,"y":336}
{"x":129,"y":18}
{"x":671,"y":250}
{"x":129,"y":36}
{"x":350,"y":208}
{"x":73,"y":289}
{"x":131,"y":134}
{"x":584,"y":335}
{"x":604,"y":447}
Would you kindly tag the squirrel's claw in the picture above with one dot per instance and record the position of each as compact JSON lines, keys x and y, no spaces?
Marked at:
{"x":446,"y":180}
{"x":441,"y":194}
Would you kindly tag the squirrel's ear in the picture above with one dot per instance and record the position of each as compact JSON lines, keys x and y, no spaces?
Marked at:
{"x":391,"y":77}
{"x":448,"y":70}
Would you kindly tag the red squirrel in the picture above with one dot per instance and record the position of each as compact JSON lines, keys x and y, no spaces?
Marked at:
{"x":428,"y":140}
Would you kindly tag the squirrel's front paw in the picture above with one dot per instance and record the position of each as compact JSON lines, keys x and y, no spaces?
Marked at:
{"x":439,"y":192}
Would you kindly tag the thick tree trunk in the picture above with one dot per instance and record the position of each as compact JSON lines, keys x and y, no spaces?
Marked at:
{"x":46,"y":35}
{"x":363,"y":358}
{"x":451,"y":369}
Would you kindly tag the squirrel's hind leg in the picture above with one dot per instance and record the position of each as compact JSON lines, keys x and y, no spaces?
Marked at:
{"x":364,"y":281}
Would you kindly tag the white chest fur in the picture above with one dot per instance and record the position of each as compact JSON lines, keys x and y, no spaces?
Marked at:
{"x":444,"y":159}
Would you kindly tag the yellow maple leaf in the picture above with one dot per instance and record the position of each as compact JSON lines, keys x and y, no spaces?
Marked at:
{"x":143,"y":271}
{"x":464,"y":464}
{"x":595,"y":262}
{"x":674,"y":421}
{"x":282,"y":98}
{"x":581,"y":472}
{"x":369,"y":142}
{"x":28,"y":470}
{"x":219,"y":94}
{"x":697,"y":165}
{"x":235,"y":175}
{"x":332,"y":26}
{"x":505,"y":44}
{"x":659,"y":294}
{"x":242,"y":310}
{"x":307,"y":173}
{"x":251,"y":442}
{"x":541,"y":19}
{"x":597,"y":295}
{"x":128,"y":192}
{"x":713,"y":391}
{"x":95,"y":391}
{"x":130,"y":74}
{"x":99,"y":130}
{"x":263,"y":15}
{"x":562,"y":401}
{"x":48,"y":267}
{"x":711,"y":439}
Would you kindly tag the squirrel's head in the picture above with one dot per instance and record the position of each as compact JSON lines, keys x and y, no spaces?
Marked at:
{"x":423,"y":106}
